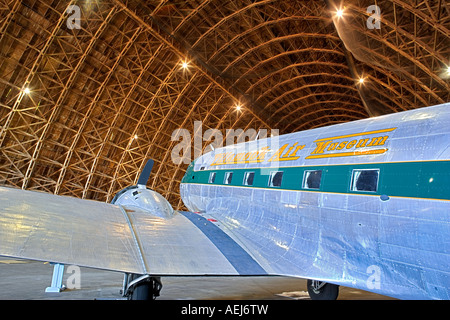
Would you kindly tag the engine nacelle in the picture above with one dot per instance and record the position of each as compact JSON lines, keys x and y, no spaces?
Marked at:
{"x":144,"y":199}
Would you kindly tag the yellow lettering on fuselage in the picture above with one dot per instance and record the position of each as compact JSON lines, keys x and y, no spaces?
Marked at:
{"x":339,"y":146}
{"x":243,"y":157}
{"x":288,"y":156}
{"x":329,"y":144}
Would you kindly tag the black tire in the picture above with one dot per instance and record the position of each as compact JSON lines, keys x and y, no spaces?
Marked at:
{"x":145,"y":290}
{"x":142,"y":291}
{"x":328,"y":291}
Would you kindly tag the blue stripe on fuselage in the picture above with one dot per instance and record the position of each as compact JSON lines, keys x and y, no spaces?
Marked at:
{"x":238,"y":257}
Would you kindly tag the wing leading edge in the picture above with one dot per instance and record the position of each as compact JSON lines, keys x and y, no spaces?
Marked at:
{"x":46,"y":227}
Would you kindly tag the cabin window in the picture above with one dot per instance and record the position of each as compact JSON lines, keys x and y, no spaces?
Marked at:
{"x":228,"y":177}
{"x":275,"y":178}
{"x":212,"y":177}
{"x":248,"y":178}
{"x":365,"y":180}
{"x":311,"y":179}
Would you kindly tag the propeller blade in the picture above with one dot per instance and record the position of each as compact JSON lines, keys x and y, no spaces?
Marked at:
{"x":145,"y":174}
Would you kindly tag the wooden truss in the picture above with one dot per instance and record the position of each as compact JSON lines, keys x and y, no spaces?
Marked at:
{"x":82,"y":108}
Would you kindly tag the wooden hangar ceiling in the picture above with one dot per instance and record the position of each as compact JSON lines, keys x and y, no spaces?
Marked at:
{"x":91,"y":89}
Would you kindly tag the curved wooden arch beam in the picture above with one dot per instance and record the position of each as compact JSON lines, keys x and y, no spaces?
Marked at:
{"x":67,"y":86}
{"x":91,"y":108}
{"x":167,"y":116}
{"x":239,"y":37}
{"x":178,"y":168}
{"x":296,"y":65}
{"x":401,"y":84}
{"x":411,"y":38}
{"x":352,"y":108}
{"x":308,"y":86}
{"x":116,"y":117}
{"x":369,"y":79}
{"x":32,"y":73}
{"x":407,"y":56}
{"x":275,"y":40}
{"x":229,"y":17}
{"x":142,"y":118}
{"x":279,"y":85}
{"x":307,"y":125}
{"x":261,"y":63}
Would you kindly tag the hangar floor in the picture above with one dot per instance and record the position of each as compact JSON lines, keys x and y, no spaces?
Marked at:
{"x":27,"y":280}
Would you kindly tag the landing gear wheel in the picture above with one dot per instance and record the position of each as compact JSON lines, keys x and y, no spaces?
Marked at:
{"x":147,"y":289}
{"x":319,"y":290}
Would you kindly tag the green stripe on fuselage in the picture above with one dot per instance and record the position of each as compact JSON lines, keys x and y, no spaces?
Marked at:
{"x":427,"y":179}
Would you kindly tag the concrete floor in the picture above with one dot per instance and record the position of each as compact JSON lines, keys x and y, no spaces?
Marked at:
{"x":27,"y":280}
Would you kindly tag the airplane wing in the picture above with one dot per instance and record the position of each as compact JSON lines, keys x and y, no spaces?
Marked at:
{"x":46,"y":227}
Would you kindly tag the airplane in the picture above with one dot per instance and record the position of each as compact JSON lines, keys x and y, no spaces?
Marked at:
{"x":363,"y":204}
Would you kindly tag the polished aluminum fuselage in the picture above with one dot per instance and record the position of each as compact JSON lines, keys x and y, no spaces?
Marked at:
{"x":395,"y":244}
